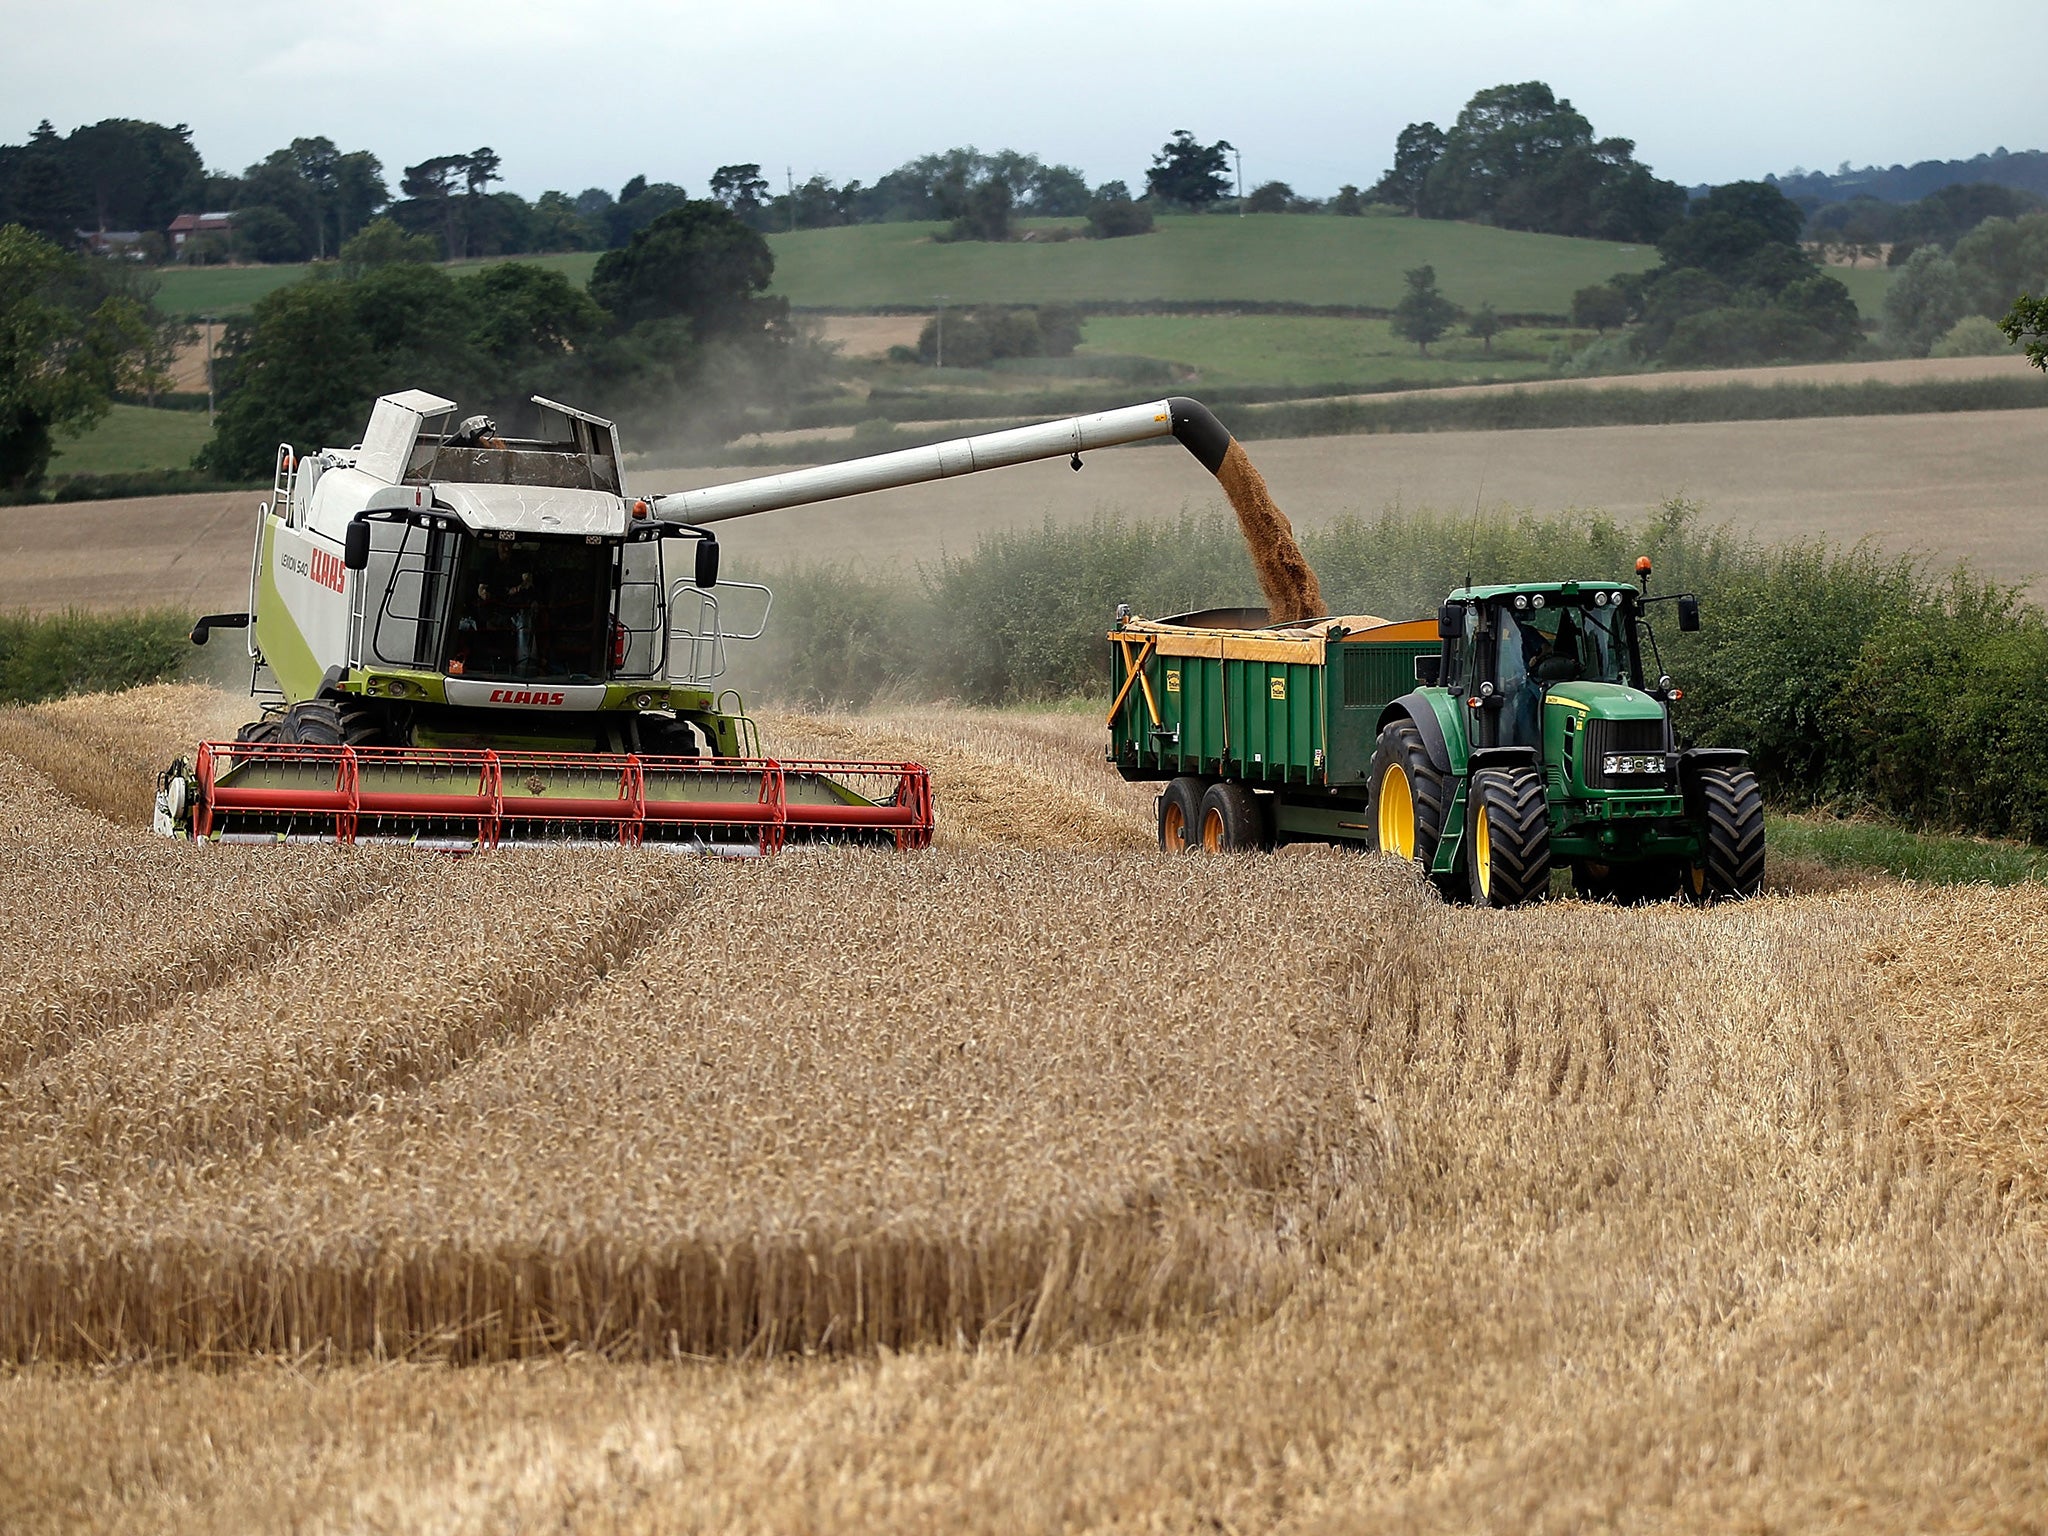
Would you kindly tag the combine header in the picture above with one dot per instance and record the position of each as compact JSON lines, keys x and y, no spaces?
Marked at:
{"x":471,"y":640}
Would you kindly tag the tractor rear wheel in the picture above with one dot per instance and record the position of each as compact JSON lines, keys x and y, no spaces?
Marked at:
{"x":1180,"y":814}
{"x":331,"y":723}
{"x":1507,"y":852}
{"x":1231,"y":820}
{"x":1410,"y":796}
{"x":1731,"y":864}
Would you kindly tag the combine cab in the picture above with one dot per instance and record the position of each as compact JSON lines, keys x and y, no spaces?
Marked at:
{"x":472,"y":640}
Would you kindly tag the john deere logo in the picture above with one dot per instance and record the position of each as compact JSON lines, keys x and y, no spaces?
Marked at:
{"x":1277,"y":688}
{"x":1173,"y":682}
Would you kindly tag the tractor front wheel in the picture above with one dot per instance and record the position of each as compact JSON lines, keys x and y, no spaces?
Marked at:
{"x":1410,"y":796}
{"x":1180,"y":814}
{"x":1731,"y":863}
{"x":1231,"y":820}
{"x":1508,"y":846}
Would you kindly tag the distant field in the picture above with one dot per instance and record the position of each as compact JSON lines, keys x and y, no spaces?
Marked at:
{"x":230,"y":290}
{"x":133,"y":437}
{"x":1302,"y":349}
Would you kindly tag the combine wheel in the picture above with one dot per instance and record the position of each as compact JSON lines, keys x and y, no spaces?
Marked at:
{"x":330,"y":723}
{"x":1409,"y":798}
{"x":1180,"y":814}
{"x":1731,"y":837}
{"x":266,"y":729}
{"x":1232,"y":821}
{"x":1508,"y":846}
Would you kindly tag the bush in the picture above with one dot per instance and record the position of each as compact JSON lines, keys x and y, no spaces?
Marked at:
{"x":974,"y":337}
{"x":48,"y":657}
{"x":1971,"y":336}
{"x":1855,"y":679}
{"x":1113,"y":218}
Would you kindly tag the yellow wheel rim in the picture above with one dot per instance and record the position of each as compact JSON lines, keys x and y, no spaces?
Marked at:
{"x":1212,"y":831}
{"x":1698,"y":875}
{"x":1176,"y":828}
{"x":1482,"y":852}
{"x":1397,"y":813}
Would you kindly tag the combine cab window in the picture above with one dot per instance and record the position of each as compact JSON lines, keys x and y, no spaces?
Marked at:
{"x":532,"y":608}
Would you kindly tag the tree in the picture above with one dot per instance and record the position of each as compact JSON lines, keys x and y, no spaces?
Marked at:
{"x":639,"y":204}
{"x":133,"y":175}
{"x":1188,"y":173}
{"x":66,"y":348}
{"x":1348,"y":202}
{"x":1600,"y":305}
{"x":744,"y":190}
{"x":1058,"y":192}
{"x":1417,"y":149}
{"x":268,"y":234}
{"x":1726,"y":229}
{"x":1485,"y":325}
{"x":433,"y":183}
{"x":697,"y":262}
{"x":1270,"y":197}
{"x":359,"y":192}
{"x":557,"y":226}
{"x":381,"y":243}
{"x":530,"y":318}
{"x":1925,"y":299}
{"x":1423,"y":314}
{"x":2027,"y":323}
{"x":984,"y":212}
{"x":317,"y":159}
{"x":1112,"y":214}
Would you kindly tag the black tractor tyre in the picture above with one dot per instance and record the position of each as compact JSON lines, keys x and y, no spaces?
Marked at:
{"x":1232,"y":821}
{"x":260,"y":731}
{"x":1628,"y":885}
{"x":1731,"y":866}
{"x":1408,"y":812}
{"x":1180,"y":815}
{"x":332,"y":723}
{"x":1507,"y":838}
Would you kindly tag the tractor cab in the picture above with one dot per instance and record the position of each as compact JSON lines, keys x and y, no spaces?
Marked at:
{"x":1513,"y":651}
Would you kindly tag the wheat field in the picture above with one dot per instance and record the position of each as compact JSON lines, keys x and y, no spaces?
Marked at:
{"x":1035,"y":1182}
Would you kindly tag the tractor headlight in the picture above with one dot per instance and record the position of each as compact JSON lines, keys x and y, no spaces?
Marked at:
{"x":1631,"y":764}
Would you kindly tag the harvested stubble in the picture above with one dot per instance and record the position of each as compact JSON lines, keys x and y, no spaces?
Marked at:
{"x":998,"y":780}
{"x":960,"y":1097}
{"x":1285,"y":576}
{"x":1656,"y":1244}
{"x":455,"y":958}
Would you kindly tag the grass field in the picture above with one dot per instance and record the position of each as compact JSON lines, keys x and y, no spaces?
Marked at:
{"x":1179,"y":1202}
{"x":1269,"y":259}
{"x":133,"y":437}
{"x":1303,"y":350}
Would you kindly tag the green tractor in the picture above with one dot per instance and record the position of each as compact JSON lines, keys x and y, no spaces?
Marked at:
{"x":1528,"y":727}
{"x":1542,"y":735}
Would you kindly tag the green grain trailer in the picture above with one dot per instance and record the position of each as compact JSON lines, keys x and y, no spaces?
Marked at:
{"x":1515,"y":729}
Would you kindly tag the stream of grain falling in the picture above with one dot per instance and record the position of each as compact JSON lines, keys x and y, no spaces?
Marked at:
{"x":1292,"y":591}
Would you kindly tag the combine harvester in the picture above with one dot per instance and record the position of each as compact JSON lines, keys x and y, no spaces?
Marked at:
{"x":470,"y":641}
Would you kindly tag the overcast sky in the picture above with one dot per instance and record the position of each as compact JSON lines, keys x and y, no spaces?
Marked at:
{"x":1312,"y":92}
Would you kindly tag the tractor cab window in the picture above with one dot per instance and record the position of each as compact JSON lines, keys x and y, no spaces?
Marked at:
{"x":1564,"y":641}
{"x":529,"y":608}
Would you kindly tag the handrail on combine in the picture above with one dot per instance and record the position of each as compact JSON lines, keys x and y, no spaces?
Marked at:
{"x":501,"y":791}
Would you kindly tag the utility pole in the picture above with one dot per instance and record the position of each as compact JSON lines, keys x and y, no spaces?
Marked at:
{"x":1238,"y":155}
{"x":208,"y":319}
{"x":789,"y":181}
{"x":939,"y":347}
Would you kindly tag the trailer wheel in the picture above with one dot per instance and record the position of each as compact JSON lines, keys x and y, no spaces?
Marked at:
{"x":1180,"y":814}
{"x":1508,"y":848}
{"x":1231,"y":820}
{"x":1409,"y":798}
{"x":1731,"y":866}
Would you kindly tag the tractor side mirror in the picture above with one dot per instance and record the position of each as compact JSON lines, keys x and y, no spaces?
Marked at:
{"x":707,"y":562}
{"x":1428,"y":669}
{"x":1450,"y":622}
{"x":1689,"y":614}
{"x":355,"y":549}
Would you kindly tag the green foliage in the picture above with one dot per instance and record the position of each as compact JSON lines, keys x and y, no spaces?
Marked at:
{"x":1854,"y":679}
{"x":1971,"y":336}
{"x":1601,"y":306}
{"x":1189,"y":174}
{"x":983,"y":212}
{"x":1930,"y":858}
{"x":976,"y":337}
{"x":1423,"y":314}
{"x":1417,"y":148}
{"x":48,"y":657}
{"x":67,"y":347}
{"x":268,"y":235}
{"x":382,"y":243}
{"x":1485,"y":325}
{"x":696,"y":262}
{"x":2027,"y":322}
{"x":1112,"y":214}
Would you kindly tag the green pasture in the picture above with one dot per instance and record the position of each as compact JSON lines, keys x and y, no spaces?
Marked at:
{"x":230,"y":290}
{"x":131,"y":438}
{"x":1929,"y":857}
{"x":1315,"y":350}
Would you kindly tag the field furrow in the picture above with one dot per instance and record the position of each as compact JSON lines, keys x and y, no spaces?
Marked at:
{"x":776,"y":1132}
{"x":458,"y":956}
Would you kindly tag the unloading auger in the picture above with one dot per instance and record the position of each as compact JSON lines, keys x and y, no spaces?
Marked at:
{"x":466,"y":640}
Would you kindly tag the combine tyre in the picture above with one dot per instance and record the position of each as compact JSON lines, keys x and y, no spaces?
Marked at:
{"x":1730,"y":809}
{"x":1509,"y":857}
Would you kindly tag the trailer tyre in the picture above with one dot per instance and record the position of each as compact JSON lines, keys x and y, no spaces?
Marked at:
{"x":1231,"y":820}
{"x":1507,"y":850}
{"x":1180,"y":815}
{"x":1731,"y":866}
{"x":1410,"y":796}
